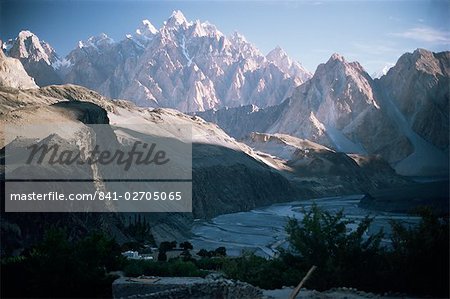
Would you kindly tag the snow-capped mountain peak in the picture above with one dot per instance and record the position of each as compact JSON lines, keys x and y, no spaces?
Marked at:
{"x":177,"y":19}
{"x":378,"y":74}
{"x":190,"y":66}
{"x":98,"y":41}
{"x":146,"y":27}
{"x":28,"y":45}
{"x":24,"y":34}
{"x":38,"y":57}
{"x":237,"y":37}
{"x":294,"y":69}
{"x":277,"y":52}
{"x":143,"y":34}
{"x":199,"y":29}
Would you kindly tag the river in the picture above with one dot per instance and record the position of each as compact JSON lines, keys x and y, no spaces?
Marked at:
{"x":262,"y":230}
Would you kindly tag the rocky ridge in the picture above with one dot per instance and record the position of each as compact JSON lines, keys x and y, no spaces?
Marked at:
{"x":342,"y":108}
{"x":190,"y":66}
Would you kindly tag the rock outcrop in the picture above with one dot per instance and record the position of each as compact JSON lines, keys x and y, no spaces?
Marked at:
{"x":12,"y":73}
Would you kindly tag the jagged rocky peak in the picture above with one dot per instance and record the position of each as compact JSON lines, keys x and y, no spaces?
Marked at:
{"x":281,"y":59}
{"x":337,"y":56}
{"x":144,"y":33}
{"x":203,"y":70}
{"x":330,"y":106}
{"x":277,"y":52}
{"x":190,"y":66}
{"x":28,"y":46}
{"x":205,"y":29}
{"x":336,"y":63}
{"x":177,"y":19}
{"x":345,"y":81}
{"x":426,"y":61}
{"x":419,"y":86}
{"x":237,"y":37}
{"x":37,"y":57}
{"x":146,"y":28}
{"x":97,"y":41}
{"x":339,"y":61}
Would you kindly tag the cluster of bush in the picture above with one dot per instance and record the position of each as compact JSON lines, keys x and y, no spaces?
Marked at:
{"x":218,"y":252}
{"x":416,"y":262}
{"x":57,"y":268}
{"x":172,"y":267}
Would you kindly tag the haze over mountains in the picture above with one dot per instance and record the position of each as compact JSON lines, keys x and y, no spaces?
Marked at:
{"x":191,"y":66}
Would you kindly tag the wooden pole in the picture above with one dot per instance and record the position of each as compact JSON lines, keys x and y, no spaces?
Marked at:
{"x":297,"y":289}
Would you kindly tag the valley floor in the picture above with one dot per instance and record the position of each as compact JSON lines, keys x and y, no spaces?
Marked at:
{"x":262,"y":230}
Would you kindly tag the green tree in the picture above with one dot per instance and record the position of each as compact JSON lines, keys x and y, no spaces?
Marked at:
{"x":420,"y":256}
{"x":342,"y":257}
{"x":186,"y":255}
{"x":203,"y":253}
{"x":57,"y":267}
{"x":166,"y":246}
{"x":220,"y":251}
{"x":186,"y":245}
{"x":173,"y":244}
{"x":162,"y":256}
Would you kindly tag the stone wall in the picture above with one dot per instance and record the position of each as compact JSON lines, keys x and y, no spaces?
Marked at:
{"x":183,"y":287}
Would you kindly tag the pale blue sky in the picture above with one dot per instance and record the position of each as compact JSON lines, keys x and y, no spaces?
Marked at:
{"x":374,"y":33}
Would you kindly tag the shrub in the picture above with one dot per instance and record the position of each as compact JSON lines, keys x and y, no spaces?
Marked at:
{"x":186,"y":245}
{"x":59,"y":268}
{"x":162,"y":256}
{"x":174,"y":267}
{"x":261,"y":272}
{"x":420,"y":256}
{"x":417,"y":263}
{"x":342,"y":257}
{"x":208,"y":263}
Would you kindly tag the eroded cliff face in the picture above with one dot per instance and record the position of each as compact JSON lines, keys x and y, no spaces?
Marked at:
{"x":12,"y":74}
{"x":419,"y":86}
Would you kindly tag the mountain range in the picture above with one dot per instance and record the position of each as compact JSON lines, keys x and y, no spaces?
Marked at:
{"x":189,"y":66}
{"x":264,"y":129}
{"x":402,"y":116}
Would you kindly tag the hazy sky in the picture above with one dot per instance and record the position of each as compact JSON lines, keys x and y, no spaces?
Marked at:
{"x":375,"y":33}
